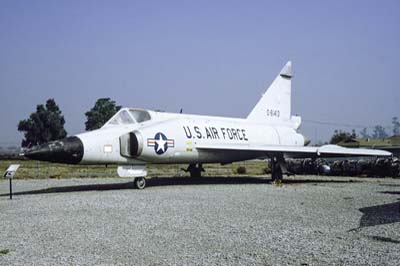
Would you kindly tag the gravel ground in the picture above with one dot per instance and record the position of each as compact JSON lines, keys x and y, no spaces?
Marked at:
{"x":212,"y":221}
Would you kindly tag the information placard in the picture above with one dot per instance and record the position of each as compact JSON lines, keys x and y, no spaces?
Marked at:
{"x":11,"y":170}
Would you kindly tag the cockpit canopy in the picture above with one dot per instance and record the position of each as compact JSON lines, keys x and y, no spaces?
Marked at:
{"x":127,"y":116}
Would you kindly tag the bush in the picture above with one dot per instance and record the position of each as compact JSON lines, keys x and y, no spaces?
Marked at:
{"x":4,"y":251}
{"x":241,"y":170}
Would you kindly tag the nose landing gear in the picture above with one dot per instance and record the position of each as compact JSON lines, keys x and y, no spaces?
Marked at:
{"x":138,"y":172}
{"x":140,"y":182}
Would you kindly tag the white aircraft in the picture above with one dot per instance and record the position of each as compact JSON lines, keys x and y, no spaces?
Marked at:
{"x":134,"y":137}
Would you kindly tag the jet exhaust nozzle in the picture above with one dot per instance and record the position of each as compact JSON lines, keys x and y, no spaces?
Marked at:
{"x":68,"y":150}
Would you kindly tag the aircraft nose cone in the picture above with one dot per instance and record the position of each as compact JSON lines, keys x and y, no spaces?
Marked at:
{"x":68,"y":150}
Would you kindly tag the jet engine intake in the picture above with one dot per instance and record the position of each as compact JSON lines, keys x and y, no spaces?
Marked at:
{"x":131,"y":144}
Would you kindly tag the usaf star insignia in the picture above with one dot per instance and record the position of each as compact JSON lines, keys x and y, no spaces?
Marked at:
{"x":160,"y":143}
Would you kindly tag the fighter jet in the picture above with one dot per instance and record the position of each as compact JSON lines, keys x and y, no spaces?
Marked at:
{"x":134,"y":137}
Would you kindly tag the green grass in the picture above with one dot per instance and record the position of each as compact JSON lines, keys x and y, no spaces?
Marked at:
{"x":4,"y":251}
{"x":41,"y":170}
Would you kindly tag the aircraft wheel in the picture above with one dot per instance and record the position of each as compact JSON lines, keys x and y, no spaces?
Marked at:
{"x":276,"y":173}
{"x":195,"y":170}
{"x":140,"y":182}
{"x":195,"y":173}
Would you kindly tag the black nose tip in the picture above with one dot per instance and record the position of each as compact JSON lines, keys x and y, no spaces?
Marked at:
{"x":68,"y":150}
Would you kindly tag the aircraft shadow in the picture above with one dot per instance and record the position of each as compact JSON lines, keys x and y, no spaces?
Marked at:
{"x":172,"y":181}
{"x":77,"y":188}
{"x":380,"y":214}
{"x":178,"y":181}
{"x":391,"y":192}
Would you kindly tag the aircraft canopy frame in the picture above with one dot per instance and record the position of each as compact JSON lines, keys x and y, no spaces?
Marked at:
{"x":128,"y":116}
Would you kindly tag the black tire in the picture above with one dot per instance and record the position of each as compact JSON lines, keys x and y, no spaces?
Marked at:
{"x":140,"y":182}
{"x":277,"y":174}
{"x":195,"y":173}
{"x":195,"y":170}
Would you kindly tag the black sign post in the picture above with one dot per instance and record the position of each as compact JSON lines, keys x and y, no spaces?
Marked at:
{"x":10,"y":172}
{"x":10,"y":188}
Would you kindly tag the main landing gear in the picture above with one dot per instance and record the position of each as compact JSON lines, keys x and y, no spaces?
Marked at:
{"x":194,"y":169}
{"x":278,"y":168}
{"x":138,"y":172}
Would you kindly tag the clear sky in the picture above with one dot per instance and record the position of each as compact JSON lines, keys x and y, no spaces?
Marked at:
{"x":207,"y":57}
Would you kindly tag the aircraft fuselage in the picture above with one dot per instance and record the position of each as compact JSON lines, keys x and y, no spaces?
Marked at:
{"x":173,"y":138}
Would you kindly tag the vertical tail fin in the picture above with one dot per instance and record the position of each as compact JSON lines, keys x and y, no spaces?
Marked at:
{"x":275,"y":105}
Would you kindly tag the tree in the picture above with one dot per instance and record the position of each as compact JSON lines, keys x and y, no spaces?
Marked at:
{"x":340,"y":135}
{"x":364,"y":134}
{"x":379,"y":132}
{"x":353,"y":134}
{"x":102,"y":111}
{"x":396,"y":126}
{"x":44,"y":125}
